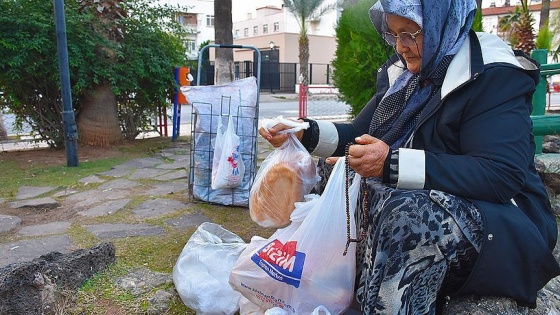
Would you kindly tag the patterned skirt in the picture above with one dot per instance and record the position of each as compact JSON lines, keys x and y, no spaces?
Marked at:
{"x":420,"y":247}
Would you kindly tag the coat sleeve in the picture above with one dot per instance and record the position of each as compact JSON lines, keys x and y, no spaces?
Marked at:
{"x":487,"y":148}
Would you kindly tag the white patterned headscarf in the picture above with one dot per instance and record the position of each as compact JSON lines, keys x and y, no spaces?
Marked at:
{"x":445,"y":26}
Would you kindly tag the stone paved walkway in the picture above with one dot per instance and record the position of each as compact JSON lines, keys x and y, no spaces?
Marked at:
{"x":112,"y":192}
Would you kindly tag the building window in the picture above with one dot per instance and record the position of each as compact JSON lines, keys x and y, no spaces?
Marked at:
{"x":255,"y":30}
{"x":236,"y":34}
{"x":191,"y":45}
{"x":246,"y":32}
{"x":265,"y":29}
{"x":276,"y":27}
{"x":209,"y":20}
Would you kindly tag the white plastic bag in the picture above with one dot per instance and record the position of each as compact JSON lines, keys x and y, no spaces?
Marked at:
{"x":295,"y":126}
{"x":201,"y":273}
{"x":286,"y":175}
{"x":302,"y":266}
{"x":227,"y":164}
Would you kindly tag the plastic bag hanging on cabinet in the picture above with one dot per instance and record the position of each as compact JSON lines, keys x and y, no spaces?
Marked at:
{"x":227,"y":164}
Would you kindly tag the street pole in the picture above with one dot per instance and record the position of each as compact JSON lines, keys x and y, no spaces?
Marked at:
{"x":68,"y":120}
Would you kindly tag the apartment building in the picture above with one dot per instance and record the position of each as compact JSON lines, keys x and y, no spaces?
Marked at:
{"x":505,"y":3}
{"x":198,"y":20}
{"x":497,"y":9}
{"x":273,"y":27}
{"x":264,"y":24}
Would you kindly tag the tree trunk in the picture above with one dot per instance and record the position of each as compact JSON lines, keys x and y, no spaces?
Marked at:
{"x":304,"y":58}
{"x":545,"y":12}
{"x":223,"y":33}
{"x":98,"y":122}
{"x":3,"y":131}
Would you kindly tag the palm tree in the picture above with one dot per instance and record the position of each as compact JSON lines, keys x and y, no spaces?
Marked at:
{"x":98,"y":122}
{"x":304,"y":11}
{"x":524,"y":32}
{"x":545,"y":13}
{"x":519,"y":28}
{"x":223,"y":35}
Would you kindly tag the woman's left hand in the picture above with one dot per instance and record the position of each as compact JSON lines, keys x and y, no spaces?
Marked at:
{"x":366,"y":157}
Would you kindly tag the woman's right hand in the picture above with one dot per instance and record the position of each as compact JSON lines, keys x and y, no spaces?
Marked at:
{"x":275,"y":138}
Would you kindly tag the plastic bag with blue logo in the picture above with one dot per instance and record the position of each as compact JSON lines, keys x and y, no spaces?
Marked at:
{"x":227,"y":164}
{"x":302,"y":266}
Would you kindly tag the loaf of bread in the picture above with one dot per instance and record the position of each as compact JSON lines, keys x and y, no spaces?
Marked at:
{"x":280,"y":186}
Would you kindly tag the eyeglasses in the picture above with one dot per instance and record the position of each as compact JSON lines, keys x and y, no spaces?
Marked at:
{"x":407,"y":39}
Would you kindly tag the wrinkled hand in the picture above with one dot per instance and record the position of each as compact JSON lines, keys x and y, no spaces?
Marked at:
{"x":366,"y":157}
{"x":277,"y":139}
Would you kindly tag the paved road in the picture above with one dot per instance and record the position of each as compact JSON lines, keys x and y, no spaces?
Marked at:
{"x":270,"y":105}
{"x":322,"y":107}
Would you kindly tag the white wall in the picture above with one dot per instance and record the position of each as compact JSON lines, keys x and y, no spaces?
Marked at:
{"x":244,"y":14}
{"x":500,"y":3}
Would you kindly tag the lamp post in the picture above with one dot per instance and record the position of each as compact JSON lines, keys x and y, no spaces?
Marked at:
{"x":68,"y":119}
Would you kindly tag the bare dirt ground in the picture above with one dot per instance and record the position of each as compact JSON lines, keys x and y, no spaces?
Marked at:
{"x":51,"y":157}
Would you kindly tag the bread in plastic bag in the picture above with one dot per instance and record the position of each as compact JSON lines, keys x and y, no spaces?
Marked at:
{"x":286,"y":175}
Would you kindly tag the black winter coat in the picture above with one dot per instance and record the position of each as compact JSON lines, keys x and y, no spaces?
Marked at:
{"x":476,"y":142}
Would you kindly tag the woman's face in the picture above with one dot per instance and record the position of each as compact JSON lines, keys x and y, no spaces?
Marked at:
{"x":412,"y":53}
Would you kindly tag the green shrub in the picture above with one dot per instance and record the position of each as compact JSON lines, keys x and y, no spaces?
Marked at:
{"x":544,"y":39}
{"x":360,"y":52}
{"x":477,"y":23}
{"x":139,"y":67}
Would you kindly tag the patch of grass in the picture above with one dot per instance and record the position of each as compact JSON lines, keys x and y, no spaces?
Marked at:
{"x":99,"y":294}
{"x":56,"y":176}
{"x":236,"y":220}
{"x":82,"y":237}
{"x":28,"y":170}
{"x":158,"y":253}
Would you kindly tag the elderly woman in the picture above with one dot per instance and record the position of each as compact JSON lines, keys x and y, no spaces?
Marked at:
{"x":454,"y":204}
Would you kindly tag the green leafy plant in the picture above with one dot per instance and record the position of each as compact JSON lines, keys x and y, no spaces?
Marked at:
{"x":477,"y":23}
{"x":360,"y":52}
{"x":544,"y":39}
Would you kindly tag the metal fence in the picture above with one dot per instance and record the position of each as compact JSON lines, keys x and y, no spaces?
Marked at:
{"x":275,"y":76}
